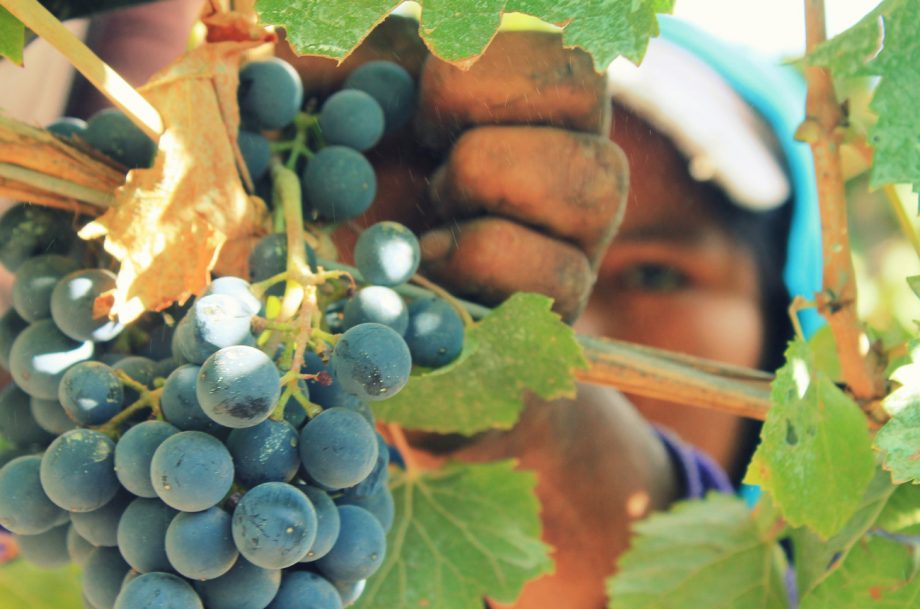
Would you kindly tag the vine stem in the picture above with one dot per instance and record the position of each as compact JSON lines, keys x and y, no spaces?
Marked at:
{"x":125,"y":97}
{"x":837,"y":301}
{"x":57,"y":186}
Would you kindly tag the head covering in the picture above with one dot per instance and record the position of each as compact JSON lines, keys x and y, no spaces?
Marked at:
{"x":715,"y":100}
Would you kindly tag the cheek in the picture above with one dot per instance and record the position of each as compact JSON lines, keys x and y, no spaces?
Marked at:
{"x":722,"y":327}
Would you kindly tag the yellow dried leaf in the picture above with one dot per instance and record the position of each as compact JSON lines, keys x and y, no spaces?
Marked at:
{"x":171,"y":221}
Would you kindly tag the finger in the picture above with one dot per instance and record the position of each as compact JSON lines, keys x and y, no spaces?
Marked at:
{"x":572,"y":185}
{"x":488,"y":259}
{"x":522,"y":78}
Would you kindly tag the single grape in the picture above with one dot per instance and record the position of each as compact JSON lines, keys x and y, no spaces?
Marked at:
{"x":301,"y":589}
{"x":139,"y":368}
{"x":377,"y":304}
{"x":269,"y":257}
{"x":338,"y":448}
{"x":238,"y":386}
{"x":103,"y":574}
{"x":387,"y":254}
{"x":245,"y":586}
{"x":339,"y":183}
{"x":112,"y":133}
{"x":351,"y":118}
{"x":67,"y":126}
{"x":46,"y":550}
{"x":191,"y":471}
{"x":165,"y":367}
{"x":16,"y":421}
{"x":266,"y":452}
{"x":158,"y":591}
{"x":78,"y":549}
{"x":380,"y":504}
{"x":238,"y":288}
{"x":391,"y":85}
{"x":50,"y":416}
{"x":73,"y":305}
{"x":180,"y":404}
{"x":134,"y":452}
{"x":200,"y":545}
{"x":372,"y":361}
{"x":214,"y":321}
{"x":274,"y":525}
{"x":328,"y":523}
{"x":435,"y":332}
{"x":25,"y":508}
{"x":78,"y":470}
{"x":256,"y":151}
{"x":142,"y":534}
{"x":29,"y":230}
{"x":11,"y":324}
{"x":91,"y":393}
{"x":360,"y":549}
{"x":34,"y":282}
{"x":100,"y":527}
{"x":270,"y":94}
{"x":41,"y":355}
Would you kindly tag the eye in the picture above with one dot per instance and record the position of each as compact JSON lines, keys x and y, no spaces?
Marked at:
{"x":653,"y":277}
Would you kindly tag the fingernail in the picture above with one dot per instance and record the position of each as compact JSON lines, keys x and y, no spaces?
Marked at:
{"x":436,"y":245}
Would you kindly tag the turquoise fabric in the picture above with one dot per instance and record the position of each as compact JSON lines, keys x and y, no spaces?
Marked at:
{"x":777,"y":92}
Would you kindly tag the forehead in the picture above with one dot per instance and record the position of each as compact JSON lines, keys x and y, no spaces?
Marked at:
{"x":663,"y":197}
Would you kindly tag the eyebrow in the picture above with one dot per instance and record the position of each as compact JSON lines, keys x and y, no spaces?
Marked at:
{"x":684,"y":235}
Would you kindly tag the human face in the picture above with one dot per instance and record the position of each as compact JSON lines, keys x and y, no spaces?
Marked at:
{"x":676,"y":279}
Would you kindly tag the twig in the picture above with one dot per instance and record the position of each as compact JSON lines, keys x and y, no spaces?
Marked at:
{"x":57,"y":186}
{"x":101,"y":75}
{"x":644,"y":372}
{"x":837,"y":301}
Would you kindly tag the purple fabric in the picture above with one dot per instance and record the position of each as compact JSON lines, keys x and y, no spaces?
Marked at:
{"x":697,"y":470}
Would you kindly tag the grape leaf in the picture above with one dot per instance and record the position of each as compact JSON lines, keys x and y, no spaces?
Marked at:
{"x":172,"y":220}
{"x":815,"y":558}
{"x":460,"y":534}
{"x":815,"y":455}
{"x":12,"y":36}
{"x":884,"y":43}
{"x":899,"y":438}
{"x":519,"y":345}
{"x":879,"y":573}
{"x":703,"y":553}
{"x":902,"y":512}
{"x":460,"y":30}
{"x":23,"y":585}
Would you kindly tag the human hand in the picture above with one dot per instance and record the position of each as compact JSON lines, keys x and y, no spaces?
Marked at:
{"x":516,"y":185}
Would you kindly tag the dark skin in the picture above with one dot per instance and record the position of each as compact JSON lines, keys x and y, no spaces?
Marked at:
{"x":519,"y":186}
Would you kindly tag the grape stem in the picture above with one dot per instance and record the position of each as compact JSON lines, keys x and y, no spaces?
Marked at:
{"x":442,"y":293}
{"x":837,"y":300}
{"x":150,"y":398}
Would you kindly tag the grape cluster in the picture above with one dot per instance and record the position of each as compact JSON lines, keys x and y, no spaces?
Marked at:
{"x":171,"y":458}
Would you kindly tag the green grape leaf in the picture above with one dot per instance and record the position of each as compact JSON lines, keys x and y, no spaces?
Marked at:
{"x":815,"y":457}
{"x":522,"y":345}
{"x":814,"y":556}
{"x":899,"y":438}
{"x":12,"y":36}
{"x":460,"y":30}
{"x":884,"y":43}
{"x":878,"y":572}
{"x":703,"y":553}
{"x":460,"y":534}
{"x":902,"y":512}
{"x":23,"y":585}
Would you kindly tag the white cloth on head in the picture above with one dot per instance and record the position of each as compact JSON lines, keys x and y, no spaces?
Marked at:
{"x":722,"y":137}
